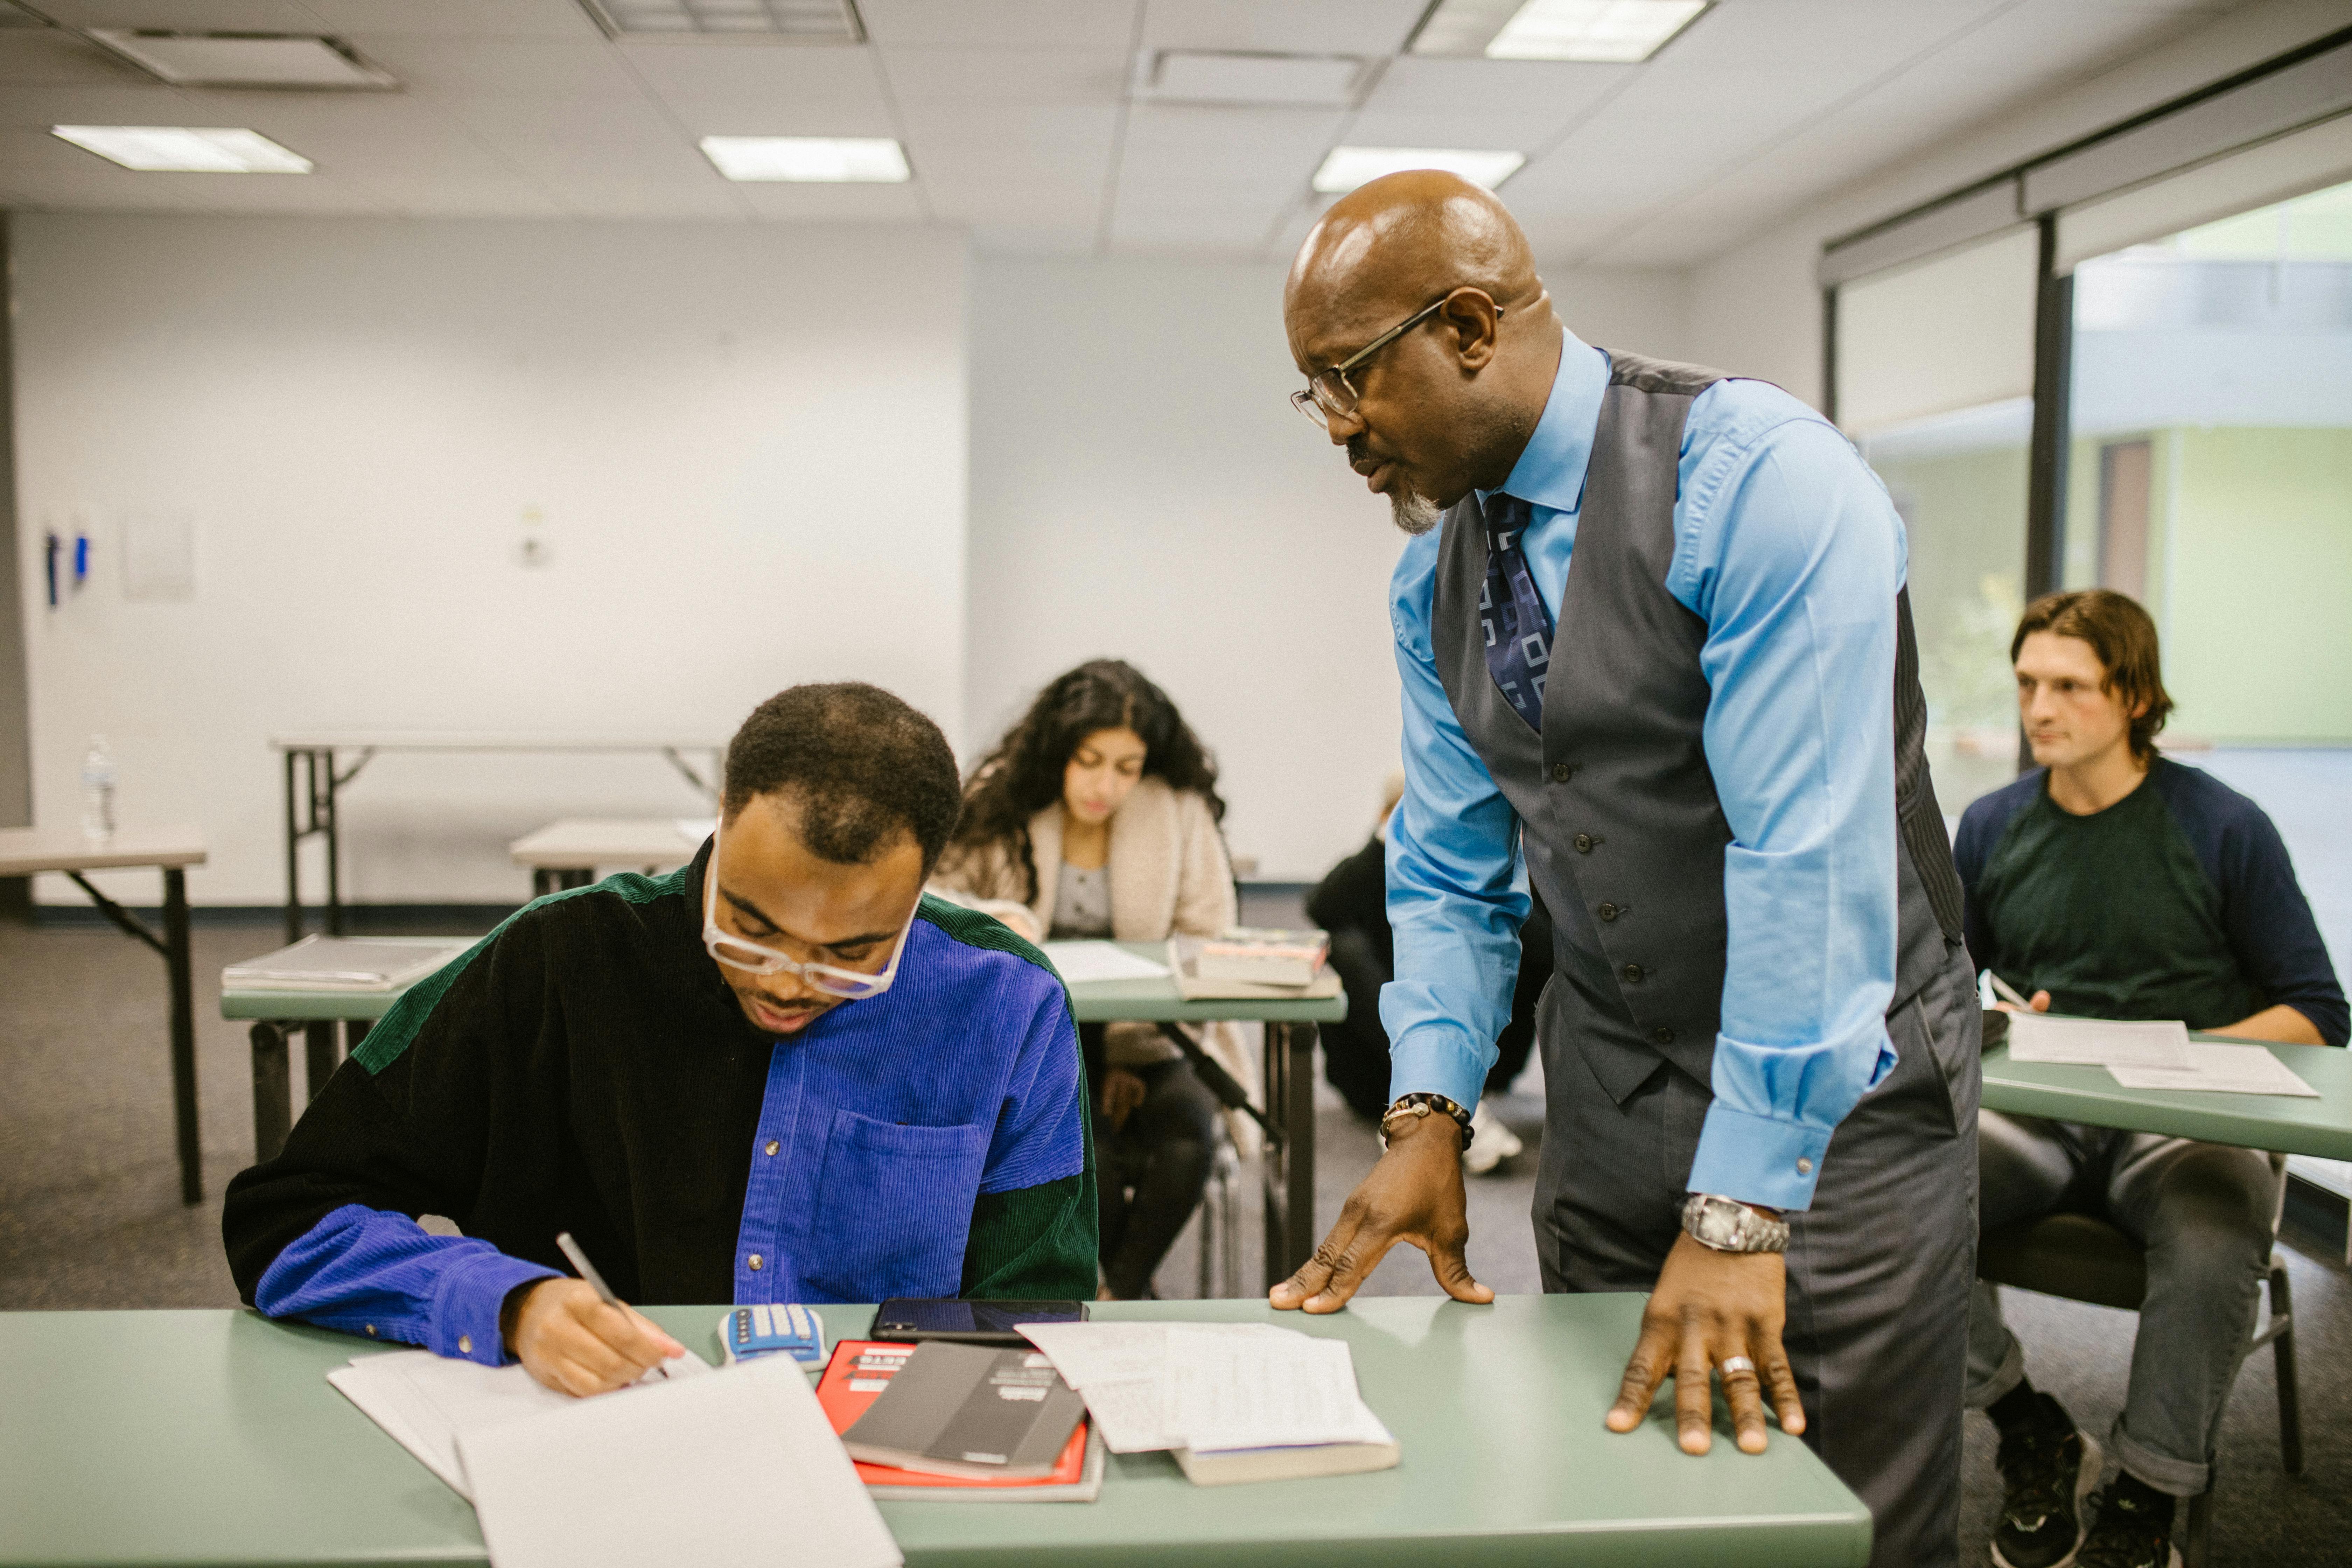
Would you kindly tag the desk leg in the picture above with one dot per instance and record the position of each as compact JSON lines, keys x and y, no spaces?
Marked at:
{"x":335,"y":856}
{"x":318,"y":1055}
{"x":293,"y":862}
{"x":1290,"y":1164}
{"x":542,"y":881}
{"x":273,"y":1091}
{"x":183,"y":1035}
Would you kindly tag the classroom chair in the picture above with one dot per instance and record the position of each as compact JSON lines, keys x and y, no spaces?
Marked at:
{"x":2078,"y":1257}
{"x":1221,"y":1220}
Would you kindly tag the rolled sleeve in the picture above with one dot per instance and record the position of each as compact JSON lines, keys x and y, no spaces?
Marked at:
{"x":381,"y":1275}
{"x":1793,"y":558}
{"x":467,"y":1299}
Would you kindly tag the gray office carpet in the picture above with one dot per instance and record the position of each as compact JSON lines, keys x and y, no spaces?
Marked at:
{"x":89,"y":1216}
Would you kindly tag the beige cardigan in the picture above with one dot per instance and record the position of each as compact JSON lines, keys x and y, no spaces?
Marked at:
{"x":1169,"y":874}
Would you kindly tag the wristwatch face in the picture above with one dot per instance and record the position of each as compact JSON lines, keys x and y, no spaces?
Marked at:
{"x":1719,"y":1224}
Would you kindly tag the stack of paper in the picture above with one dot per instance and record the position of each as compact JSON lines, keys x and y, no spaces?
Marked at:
{"x":1079,"y":963}
{"x":344,"y":963}
{"x":682,"y":1468}
{"x":1235,"y":1401}
{"x":2153,"y":1054}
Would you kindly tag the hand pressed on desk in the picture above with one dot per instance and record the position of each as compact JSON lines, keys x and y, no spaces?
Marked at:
{"x":571,"y":1340}
{"x":1706,"y":1307}
{"x":1413,"y":1195}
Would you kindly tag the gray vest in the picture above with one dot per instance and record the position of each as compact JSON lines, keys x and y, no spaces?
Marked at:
{"x":1622,"y":826}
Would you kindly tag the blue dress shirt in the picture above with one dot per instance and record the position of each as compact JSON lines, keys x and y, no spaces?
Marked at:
{"x":1788,"y":548}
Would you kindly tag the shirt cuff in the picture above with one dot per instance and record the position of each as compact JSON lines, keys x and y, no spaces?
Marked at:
{"x":1757,"y":1160}
{"x":467,"y":1302}
{"x":1438,"y":1061}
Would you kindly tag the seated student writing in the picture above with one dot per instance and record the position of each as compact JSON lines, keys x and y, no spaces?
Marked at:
{"x":779,"y":1074}
{"x":2110,"y":883}
{"x":1097,"y":816}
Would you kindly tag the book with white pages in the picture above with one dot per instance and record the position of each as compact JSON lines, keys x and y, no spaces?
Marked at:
{"x":2097,"y":1042}
{"x":2217,"y":1068}
{"x":344,"y":963}
{"x":1184,"y":965}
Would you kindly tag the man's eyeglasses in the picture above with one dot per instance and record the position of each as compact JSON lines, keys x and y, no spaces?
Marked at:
{"x":1330,"y":393}
{"x":737,"y":952}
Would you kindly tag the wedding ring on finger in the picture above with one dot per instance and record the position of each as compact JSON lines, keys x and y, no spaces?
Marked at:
{"x":1735,"y":1364}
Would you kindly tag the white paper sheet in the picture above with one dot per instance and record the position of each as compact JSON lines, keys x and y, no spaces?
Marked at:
{"x":1080,"y":961}
{"x":741,"y":1466}
{"x":424,"y":1402}
{"x":2215,"y":1069}
{"x":1230,"y":1391}
{"x":2097,"y":1042}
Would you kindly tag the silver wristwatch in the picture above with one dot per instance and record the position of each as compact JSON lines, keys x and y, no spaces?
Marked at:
{"x":1729,"y":1225}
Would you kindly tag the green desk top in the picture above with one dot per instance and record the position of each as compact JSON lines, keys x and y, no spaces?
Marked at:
{"x":2286,"y":1124}
{"x":1098,"y":1002}
{"x":212,"y":1437}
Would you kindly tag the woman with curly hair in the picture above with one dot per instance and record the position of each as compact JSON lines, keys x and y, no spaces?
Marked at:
{"x":1097,"y":816}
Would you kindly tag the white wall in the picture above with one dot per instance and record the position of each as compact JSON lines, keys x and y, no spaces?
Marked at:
{"x":1756,"y":309}
{"x":1140,"y":487}
{"x":746,"y":444}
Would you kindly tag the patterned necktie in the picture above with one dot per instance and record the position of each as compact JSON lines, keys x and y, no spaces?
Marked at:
{"x":1517,"y":626}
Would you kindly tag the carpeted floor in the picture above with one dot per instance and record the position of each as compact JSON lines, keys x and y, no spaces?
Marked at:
{"x":89,"y":1217}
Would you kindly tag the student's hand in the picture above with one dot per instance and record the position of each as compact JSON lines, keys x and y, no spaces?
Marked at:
{"x":1413,"y":1195}
{"x":1123,"y":1091}
{"x":1707,"y":1307}
{"x":2041,"y":1004}
{"x":568,"y":1340}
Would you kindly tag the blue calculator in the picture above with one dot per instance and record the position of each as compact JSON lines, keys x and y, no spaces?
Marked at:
{"x":750,"y":1333}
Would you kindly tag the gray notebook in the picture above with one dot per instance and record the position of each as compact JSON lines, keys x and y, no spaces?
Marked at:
{"x":970,"y":1410}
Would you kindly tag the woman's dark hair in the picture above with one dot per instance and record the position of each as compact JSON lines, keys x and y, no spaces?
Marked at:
{"x":861,"y":764}
{"x":1022,"y":775}
{"x":2124,"y":636}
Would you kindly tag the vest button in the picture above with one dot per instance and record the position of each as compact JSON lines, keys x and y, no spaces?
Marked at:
{"x":1632,"y":974}
{"x":1609,"y":911}
{"x":1663,"y":1036}
{"x":1584,"y":843}
{"x":1562,"y":771}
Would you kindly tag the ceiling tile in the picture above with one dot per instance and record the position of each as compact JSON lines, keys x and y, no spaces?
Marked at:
{"x":1522,"y":104}
{"x":1012,"y":146}
{"x":1012,"y":239}
{"x":1025,"y":207}
{"x":108,"y":189}
{"x":1840,"y":38}
{"x":183,"y":15}
{"x":150,"y":103}
{"x":1300,"y":26}
{"x":943,"y":75}
{"x":1001,"y":24}
{"x":826,"y":74}
{"x":1242,"y":149}
{"x":834,"y":204}
{"x":441,"y":196}
{"x":774,"y":115}
{"x":595,"y":193}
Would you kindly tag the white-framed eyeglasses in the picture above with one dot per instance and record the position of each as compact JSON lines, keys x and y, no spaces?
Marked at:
{"x":739,"y":953}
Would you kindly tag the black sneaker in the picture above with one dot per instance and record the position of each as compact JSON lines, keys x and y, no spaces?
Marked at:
{"x":2131,"y":1534}
{"x":2047,"y":1468}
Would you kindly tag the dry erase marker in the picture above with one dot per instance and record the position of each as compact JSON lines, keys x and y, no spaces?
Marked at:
{"x":2008,"y":993}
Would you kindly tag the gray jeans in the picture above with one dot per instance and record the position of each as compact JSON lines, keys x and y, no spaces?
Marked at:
{"x":2203,"y":1212}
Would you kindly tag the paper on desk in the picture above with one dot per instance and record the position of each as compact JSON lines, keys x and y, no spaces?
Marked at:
{"x":425,"y":1402}
{"x":2097,"y":1042}
{"x":1209,"y":1385}
{"x":1264,"y":1390}
{"x":2215,"y":1069}
{"x":1080,"y":961}
{"x":741,"y":1466}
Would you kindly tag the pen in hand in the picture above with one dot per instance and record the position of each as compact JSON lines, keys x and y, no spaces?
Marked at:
{"x":571,"y":1250}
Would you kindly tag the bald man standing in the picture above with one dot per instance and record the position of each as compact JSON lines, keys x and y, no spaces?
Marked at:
{"x":1760,"y":1043}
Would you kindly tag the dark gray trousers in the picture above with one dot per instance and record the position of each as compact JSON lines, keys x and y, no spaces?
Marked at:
{"x":1879,"y":1267}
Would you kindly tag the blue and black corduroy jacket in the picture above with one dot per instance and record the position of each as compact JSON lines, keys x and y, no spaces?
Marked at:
{"x":584,"y":1068}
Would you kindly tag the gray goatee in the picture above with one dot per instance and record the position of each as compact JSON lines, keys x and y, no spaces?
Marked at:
{"x":1415,"y":512}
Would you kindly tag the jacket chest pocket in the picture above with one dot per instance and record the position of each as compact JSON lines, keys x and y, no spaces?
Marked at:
{"x":893,"y":1209}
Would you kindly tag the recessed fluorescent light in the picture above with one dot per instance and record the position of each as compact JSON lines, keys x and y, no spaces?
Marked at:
{"x":1619,"y":32}
{"x":827,"y":160}
{"x":1347,"y":167}
{"x":187,"y":149}
{"x":1211,"y":75}
{"x":243,"y":59}
{"x":725,"y":21}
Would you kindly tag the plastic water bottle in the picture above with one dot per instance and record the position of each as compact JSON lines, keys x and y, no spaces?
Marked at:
{"x":97,"y":792}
